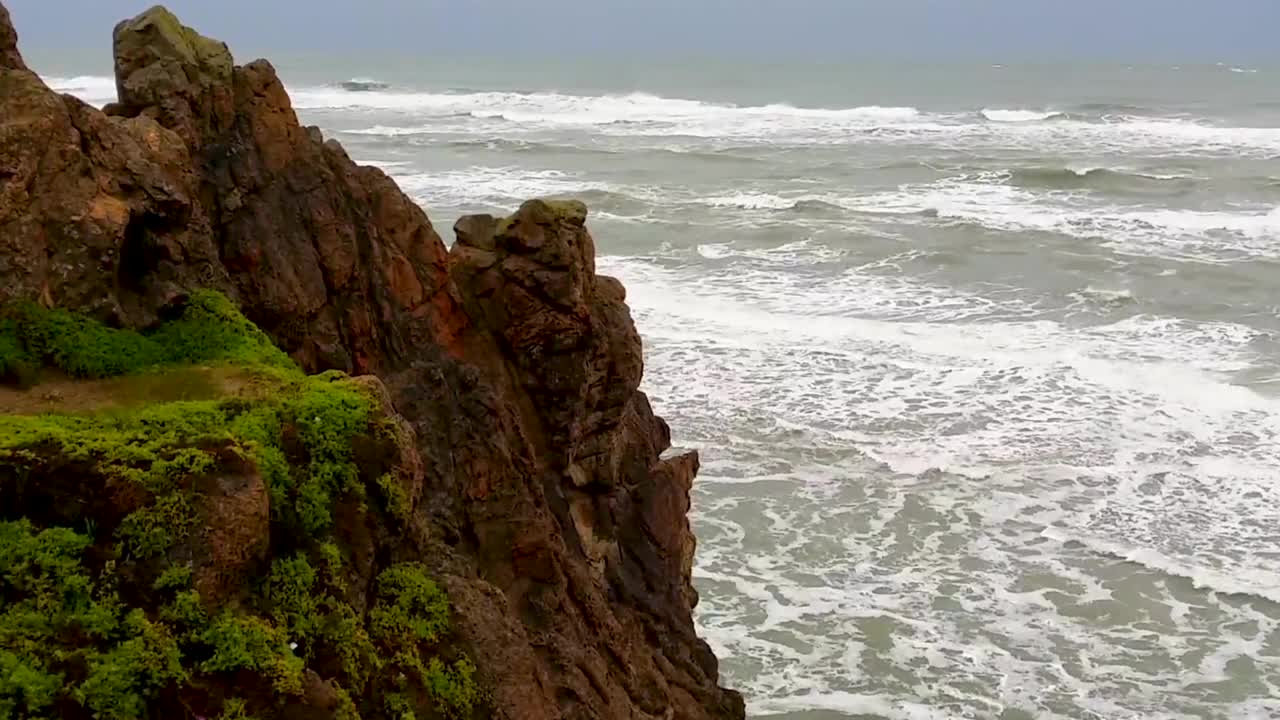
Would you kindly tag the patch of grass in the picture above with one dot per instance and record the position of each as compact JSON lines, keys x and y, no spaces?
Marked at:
{"x":155,"y":447}
{"x":209,"y":330}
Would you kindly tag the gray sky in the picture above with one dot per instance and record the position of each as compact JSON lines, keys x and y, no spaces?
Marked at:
{"x":1130,"y":30}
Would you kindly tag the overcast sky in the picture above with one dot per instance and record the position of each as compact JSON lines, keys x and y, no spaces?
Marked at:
{"x":1129,"y":30}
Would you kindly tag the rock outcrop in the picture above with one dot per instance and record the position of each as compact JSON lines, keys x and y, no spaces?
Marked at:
{"x":541,"y":498}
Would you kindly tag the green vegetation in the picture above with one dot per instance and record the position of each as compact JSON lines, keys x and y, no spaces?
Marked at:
{"x":58,"y":619}
{"x":210,"y":330}
{"x":101,"y":614}
{"x":410,"y":605}
{"x":245,"y":642}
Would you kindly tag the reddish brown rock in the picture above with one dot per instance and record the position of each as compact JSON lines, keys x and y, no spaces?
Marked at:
{"x":507,"y":369}
{"x":233,"y":526}
{"x":574,"y":357}
{"x":10,"y":59}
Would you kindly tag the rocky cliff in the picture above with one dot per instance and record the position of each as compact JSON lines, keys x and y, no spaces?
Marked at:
{"x":495,"y":449}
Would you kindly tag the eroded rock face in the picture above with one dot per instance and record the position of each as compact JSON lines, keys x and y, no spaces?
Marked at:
{"x":10,"y":58}
{"x":540,"y":497}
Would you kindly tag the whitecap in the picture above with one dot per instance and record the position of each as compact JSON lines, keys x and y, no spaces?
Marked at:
{"x":1019,"y":116}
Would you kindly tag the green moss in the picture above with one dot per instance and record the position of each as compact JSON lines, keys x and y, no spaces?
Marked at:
{"x":81,"y":346}
{"x":122,"y":679}
{"x":58,"y":627}
{"x":326,"y":422}
{"x":346,"y":709}
{"x":209,"y":330}
{"x":17,"y":366}
{"x":345,"y":632}
{"x":162,"y":28}
{"x":26,"y":687}
{"x":399,"y":707}
{"x":453,"y":687}
{"x":185,"y":611}
{"x":331,"y":562}
{"x":397,"y":500}
{"x":245,"y":642}
{"x":503,"y":226}
{"x":567,"y":209}
{"x":410,"y":605}
{"x":174,"y":577}
{"x":234,"y":709}
{"x":290,"y":595}
{"x":151,"y":531}
{"x":156,"y":446}
{"x":65,"y":634}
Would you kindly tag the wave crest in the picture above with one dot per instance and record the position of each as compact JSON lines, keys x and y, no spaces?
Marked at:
{"x":1021,"y":116}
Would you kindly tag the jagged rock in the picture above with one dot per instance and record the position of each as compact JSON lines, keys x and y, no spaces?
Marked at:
{"x":10,"y":59}
{"x":96,"y":214}
{"x":507,"y":369}
{"x":173,"y":74}
{"x":532,"y":281}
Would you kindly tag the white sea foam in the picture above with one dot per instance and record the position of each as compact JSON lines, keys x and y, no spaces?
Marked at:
{"x":751,"y":201}
{"x":490,"y":187}
{"x":645,"y":115}
{"x":93,"y":89}
{"x":1239,"y":581}
{"x":640,"y":116}
{"x":829,"y":569}
{"x":1189,"y":234}
{"x":1018,"y":116}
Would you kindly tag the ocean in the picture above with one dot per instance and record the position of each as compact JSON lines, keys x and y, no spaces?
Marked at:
{"x":983,"y":361}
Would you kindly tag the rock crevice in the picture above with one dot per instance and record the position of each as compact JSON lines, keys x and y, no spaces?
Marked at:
{"x":542,"y":500}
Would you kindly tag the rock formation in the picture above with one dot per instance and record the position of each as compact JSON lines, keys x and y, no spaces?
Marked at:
{"x":541,"y":499}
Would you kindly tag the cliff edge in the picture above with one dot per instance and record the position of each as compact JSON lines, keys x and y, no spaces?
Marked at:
{"x":481,"y":524}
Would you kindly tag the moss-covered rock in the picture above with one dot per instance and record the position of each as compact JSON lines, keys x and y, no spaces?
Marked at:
{"x":163,"y":559}
{"x":208,"y":329}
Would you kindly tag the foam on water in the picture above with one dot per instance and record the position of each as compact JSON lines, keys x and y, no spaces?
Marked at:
{"x":93,"y":89}
{"x":490,"y":187}
{"x":1186,"y":234}
{"x":646,"y":115}
{"x":642,"y":115}
{"x":1019,"y":115}
{"x":964,"y":572}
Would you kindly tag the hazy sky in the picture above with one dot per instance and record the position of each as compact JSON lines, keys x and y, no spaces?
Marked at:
{"x":1130,"y":30}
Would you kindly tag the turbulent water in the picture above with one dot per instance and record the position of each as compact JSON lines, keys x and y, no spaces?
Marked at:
{"x":983,"y":363}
